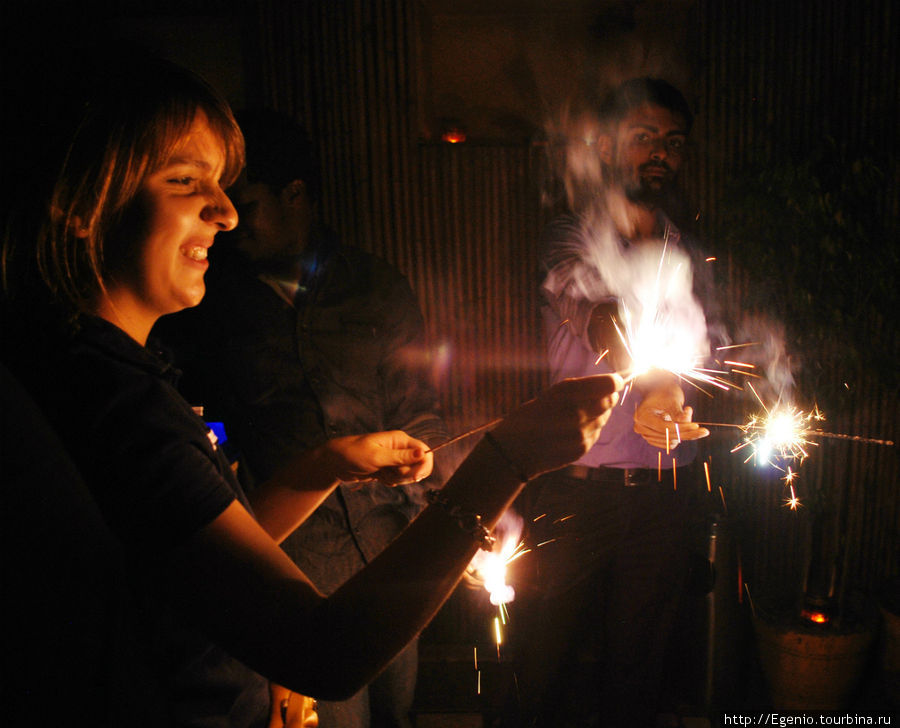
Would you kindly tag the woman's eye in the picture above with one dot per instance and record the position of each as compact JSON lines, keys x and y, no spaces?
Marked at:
{"x":183,"y":180}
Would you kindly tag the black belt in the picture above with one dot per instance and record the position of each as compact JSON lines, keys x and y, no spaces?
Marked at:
{"x":619,"y":476}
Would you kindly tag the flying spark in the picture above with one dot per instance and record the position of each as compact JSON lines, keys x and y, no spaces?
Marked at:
{"x":793,"y":502}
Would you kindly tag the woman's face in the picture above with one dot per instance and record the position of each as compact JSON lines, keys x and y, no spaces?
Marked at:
{"x":181,"y":207}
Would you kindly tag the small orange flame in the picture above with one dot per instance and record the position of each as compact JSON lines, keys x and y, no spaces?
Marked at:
{"x":815,"y":616}
{"x":453,"y":136}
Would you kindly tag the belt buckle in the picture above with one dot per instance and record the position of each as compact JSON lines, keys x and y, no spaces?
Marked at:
{"x":630,"y":478}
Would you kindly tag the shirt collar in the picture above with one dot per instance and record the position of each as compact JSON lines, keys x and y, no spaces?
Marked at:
{"x":111,"y":340}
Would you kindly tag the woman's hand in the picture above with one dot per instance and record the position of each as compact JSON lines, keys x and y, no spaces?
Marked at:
{"x":392,"y":457}
{"x":662,"y":419}
{"x":560,"y":425}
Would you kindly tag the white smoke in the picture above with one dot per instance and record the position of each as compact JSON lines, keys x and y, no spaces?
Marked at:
{"x":663,"y":322}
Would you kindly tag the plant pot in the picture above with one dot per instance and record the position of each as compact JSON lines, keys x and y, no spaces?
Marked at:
{"x":811,"y":669}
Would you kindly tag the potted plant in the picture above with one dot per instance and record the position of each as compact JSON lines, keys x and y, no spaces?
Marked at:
{"x":811,"y":241}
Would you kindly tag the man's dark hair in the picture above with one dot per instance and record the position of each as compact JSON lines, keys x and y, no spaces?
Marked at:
{"x":638,"y":91}
{"x":279,"y":151}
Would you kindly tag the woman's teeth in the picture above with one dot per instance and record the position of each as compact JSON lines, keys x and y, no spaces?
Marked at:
{"x":196,"y":252}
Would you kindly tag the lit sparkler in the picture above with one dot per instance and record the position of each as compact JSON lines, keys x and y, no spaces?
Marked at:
{"x":488,"y":568}
{"x":663,"y":326}
{"x":781,"y":432}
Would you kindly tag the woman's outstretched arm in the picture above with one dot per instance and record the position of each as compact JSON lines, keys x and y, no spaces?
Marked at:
{"x":247,"y":594}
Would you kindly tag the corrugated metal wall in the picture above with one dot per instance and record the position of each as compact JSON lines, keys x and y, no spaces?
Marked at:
{"x":461,"y":221}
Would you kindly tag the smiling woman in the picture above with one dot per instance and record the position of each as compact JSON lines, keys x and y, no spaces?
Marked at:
{"x":117,"y":208}
{"x":182,"y":206}
{"x":117,"y":142}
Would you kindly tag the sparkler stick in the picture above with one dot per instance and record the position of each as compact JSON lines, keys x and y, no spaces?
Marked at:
{"x":805,"y":433}
{"x":466,"y":434}
{"x":750,"y":599}
{"x":853,"y":438}
{"x":706,"y":470}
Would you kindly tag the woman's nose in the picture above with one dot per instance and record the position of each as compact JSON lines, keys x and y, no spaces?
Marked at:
{"x":221,"y":212}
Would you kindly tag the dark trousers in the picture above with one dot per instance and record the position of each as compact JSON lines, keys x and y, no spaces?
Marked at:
{"x":596,"y":600}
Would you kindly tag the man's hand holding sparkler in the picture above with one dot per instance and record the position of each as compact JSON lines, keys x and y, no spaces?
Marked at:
{"x":662,"y":419}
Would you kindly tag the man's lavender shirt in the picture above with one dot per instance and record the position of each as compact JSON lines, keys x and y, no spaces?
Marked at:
{"x":566,"y":313}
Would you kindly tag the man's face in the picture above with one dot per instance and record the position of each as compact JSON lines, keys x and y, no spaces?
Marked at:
{"x":648,"y":149}
{"x":272,"y":225}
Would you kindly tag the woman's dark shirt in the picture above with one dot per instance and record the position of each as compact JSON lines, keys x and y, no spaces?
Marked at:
{"x":158,"y":477}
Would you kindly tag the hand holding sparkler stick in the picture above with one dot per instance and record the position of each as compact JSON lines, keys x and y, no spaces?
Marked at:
{"x":547,"y":418}
{"x":615,"y":378}
{"x":662,"y":419}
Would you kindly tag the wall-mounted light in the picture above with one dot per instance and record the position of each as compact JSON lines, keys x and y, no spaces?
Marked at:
{"x":452,"y":131}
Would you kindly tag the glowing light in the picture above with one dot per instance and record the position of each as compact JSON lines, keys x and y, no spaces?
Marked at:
{"x":781,"y":432}
{"x":488,"y":568}
{"x":815,"y":616}
{"x":454,"y":136}
{"x":662,"y":326}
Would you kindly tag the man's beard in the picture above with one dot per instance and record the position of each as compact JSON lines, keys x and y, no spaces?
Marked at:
{"x":650,"y":190}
